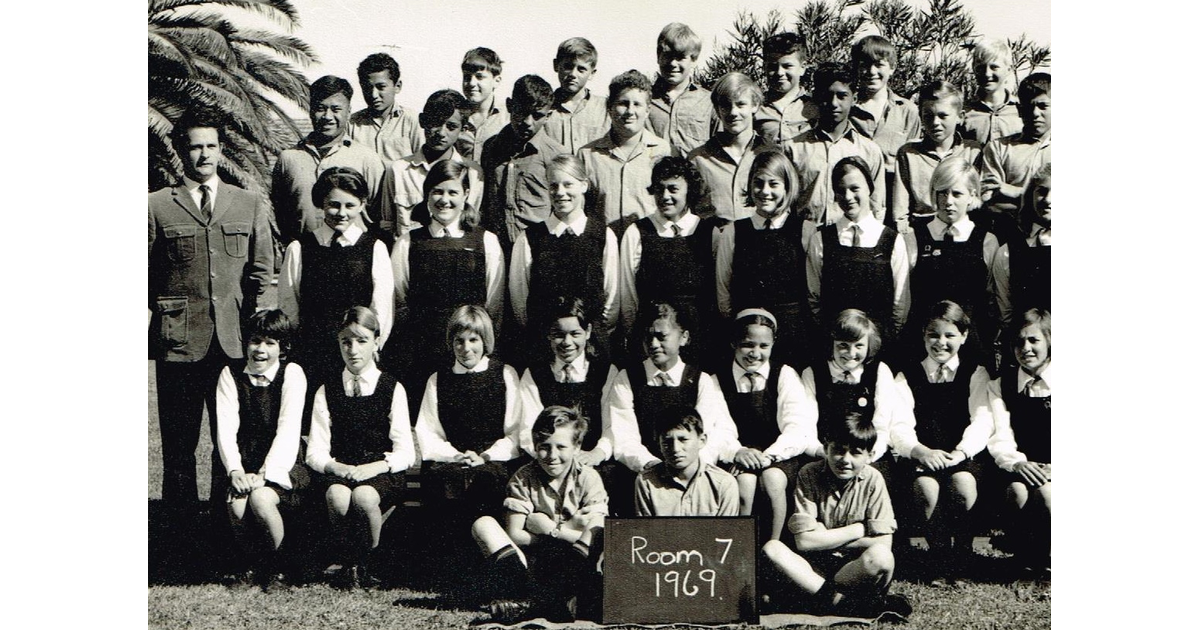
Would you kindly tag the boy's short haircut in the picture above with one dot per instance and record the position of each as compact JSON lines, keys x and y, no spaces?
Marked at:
{"x":339,"y":178}
{"x":852,"y":325}
{"x":951,"y":171}
{"x":784,"y":44}
{"x":680,"y":38}
{"x":989,"y":49}
{"x":855,"y":432}
{"x":938,"y":90}
{"x":270,"y":324}
{"x":1032,"y":87}
{"x":678,"y":417}
{"x":1039,"y":317}
{"x":469,"y":317}
{"x":194,"y":119}
{"x":482,"y":59}
{"x":667,"y":311}
{"x":829,"y":73}
{"x":555,"y":416}
{"x":671,"y":167}
{"x":442,"y":104}
{"x":733,"y":85}
{"x":533,"y":92}
{"x":379,"y":62}
{"x":577,"y":49}
{"x":873,"y":48}
{"x":628,"y":80}
{"x":327,"y":86}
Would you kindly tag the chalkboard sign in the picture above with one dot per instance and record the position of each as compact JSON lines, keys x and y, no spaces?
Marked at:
{"x":680,"y":570}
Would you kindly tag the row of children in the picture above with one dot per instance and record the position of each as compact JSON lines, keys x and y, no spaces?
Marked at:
{"x":668,"y":423}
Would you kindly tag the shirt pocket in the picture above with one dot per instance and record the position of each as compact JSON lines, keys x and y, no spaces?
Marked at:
{"x":695,"y":126}
{"x":181,"y":242}
{"x":172,"y":313}
{"x":237,"y":238}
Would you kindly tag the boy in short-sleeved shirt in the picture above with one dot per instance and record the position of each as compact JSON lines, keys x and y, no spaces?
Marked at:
{"x":681,"y":112}
{"x":384,"y":125}
{"x":993,"y":113}
{"x":682,"y":484}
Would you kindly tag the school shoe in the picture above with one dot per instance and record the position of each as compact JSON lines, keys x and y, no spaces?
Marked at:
{"x":275,"y":583}
{"x":509,"y":611}
{"x":243,"y":578}
{"x":361,"y":578}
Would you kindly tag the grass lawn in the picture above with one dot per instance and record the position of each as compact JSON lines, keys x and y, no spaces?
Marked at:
{"x":423,"y":583}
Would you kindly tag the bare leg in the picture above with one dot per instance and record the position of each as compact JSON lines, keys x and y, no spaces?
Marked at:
{"x":492,"y":538}
{"x":963,"y":494}
{"x":747,"y":486}
{"x":365,"y":501}
{"x":792,"y":565}
{"x":774,"y":483}
{"x":871,"y":571}
{"x":264,"y":504}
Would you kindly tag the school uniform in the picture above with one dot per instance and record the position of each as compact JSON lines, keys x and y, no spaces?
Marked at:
{"x":710,"y":492}
{"x":815,"y":152}
{"x":871,"y":276}
{"x":619,"y":177}
{"x":480,"y":127}
{"x":392,"y":136}
{"x":402,"y":191}
{"x":867,"y":389}
{"x":470,"y":410}
{"x":824,"y":500}
{"x":437,"y":269}
{"x":1011,"y":160}
{"x":1020,"y":405}
{"x":1021,"y":275}
{"x":516,"y":192}
{"x":898,"y":124}
{"x":779,"y":122}
{"x":761,"y":264}
{"x":772,"y":414}
{"x":296,"y":172}
{"x":915,"y":163}
{"x":943,"y":407}
{"x":360,"y":420}
{"x":984,"y":123}
{"x":685,"y":121}
{"x":338,"y":271}
{"x":574,"y":122}
{"x":727,"y":179}
{"x":209,"y":266}
{"x":582,"y":383}
{"x":258,"y":425}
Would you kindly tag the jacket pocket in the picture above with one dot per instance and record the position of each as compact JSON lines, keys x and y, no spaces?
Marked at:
{"x":237,"y":238}
{"x":172,"y":312}
{"x":181,"y":242}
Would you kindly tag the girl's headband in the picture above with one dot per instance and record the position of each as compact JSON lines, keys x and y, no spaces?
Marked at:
{"x":756,"y":311}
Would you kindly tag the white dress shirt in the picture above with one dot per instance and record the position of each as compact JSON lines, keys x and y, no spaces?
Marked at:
{"x":286,"y":445}
{"x":193,"y":188}
{"x":431,"y":435}
{"x":402,"y":455}
{"x":885,"y":399}
{"x":493,"y":262}
{"x":871,"y":229}
{"x":904,"y":421}
{"x":531,"y":401}
{"x":795,"y":412}
{"x":1003,"y":443}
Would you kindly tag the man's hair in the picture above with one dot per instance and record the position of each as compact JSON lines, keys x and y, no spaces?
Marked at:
{"x":628,"y":80}
{"x":1032,"y":87}
{"x":327,"y":86}
{"x":829,"y":73}
{"x":784,"y":44}
{"x":733,"y":85}
{"x":678,"y":417}
{"x":679,"y":37}
{"x":442,"y":104}
{"x":873,"y":48}
{"x":197,"y":118}
{"x":938,"y":90}
{"x":378,"y":62}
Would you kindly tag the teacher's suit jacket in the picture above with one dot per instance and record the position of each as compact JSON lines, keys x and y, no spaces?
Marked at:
{"x":205,"y":275}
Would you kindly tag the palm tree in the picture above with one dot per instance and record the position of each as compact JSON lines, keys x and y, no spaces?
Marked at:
{"x":200,"y":57}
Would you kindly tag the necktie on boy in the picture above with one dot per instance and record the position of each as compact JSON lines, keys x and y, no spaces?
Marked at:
{"x":205,"y":203}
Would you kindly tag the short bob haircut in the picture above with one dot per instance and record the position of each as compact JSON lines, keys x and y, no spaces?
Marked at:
{"x":679,"y":38}
{"x":1032,"y":87}
{"x":1039,"y":317}
{"x":555,"y":416}
{"x":784,"y":44}
{"x":482,"y":59}
{"x":570,"y":164}
{"x":576,"y":49}
{"x":327,"y":86}
{"x":855,"y":432}
{"x":671,"y":167}
{"x":270,"y":324}
{"x":937,"y":90}
{"x":949,"y":312}
{"x":378,"y":62}
{"x":872,"y":48}
{"x":196,"y":119}
{"x":829,"y":73}
{"x":341,"y":178}
{"x":628,"y":80}
{"x":951,"y":171}
{"x":360,"y":316}
{"x":449,"y":170}
{"x":774,"y":162}
{"x":678,"y":417}
{"x":733,"y":85}
{"x":852,"y":325}
{"x":471,"y":318}
{"x":1029,"y":213}
{"x":844,"y":165}
{"x":532,"y":92}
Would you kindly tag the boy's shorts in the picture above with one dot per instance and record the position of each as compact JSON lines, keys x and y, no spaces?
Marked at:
{"x":828,"y":563}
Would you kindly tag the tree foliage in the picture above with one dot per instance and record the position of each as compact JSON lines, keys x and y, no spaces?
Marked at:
{"x":199,"y":57}
{"x":930,"y":44}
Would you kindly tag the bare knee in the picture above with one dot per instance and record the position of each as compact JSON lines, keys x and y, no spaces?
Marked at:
{"x":337,"y":498}
{"x":774,"y":481}
{"x":365,"y":499}
{"x":963,"y":485}
{"x":925,"y":491}
{"x":777,"y":552}
{"x":263,"y":500}
{"x":1017,"y":494}
{"x":878,"y":560}
{"x":1043,"y":493}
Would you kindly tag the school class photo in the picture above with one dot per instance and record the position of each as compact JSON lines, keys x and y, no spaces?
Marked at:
{"x":759,"y":335}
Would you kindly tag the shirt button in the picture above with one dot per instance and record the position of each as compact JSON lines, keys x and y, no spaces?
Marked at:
{"x":213,"y":274}
{"x":212,"y":251}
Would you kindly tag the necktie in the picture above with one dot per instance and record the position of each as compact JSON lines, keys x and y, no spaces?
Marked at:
{"x":748,"y":378}
{"x":674,"y":230}
{"x":662,"y":379}
{"x":260,"y":380}
{"x":949,"y":236}
{"x":847,"y":377}
{"x":567,"y":374}
{"x":336,"y":241}
{"x":1029,"y":385}
{"x":855,"y":239}
{"x":569,"y":232}
{"x":943,"y":374}
{"x":357,"y":386}
{"x":205,"y":202}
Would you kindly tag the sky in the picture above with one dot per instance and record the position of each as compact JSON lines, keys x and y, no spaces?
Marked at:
{"x":428,"y":38}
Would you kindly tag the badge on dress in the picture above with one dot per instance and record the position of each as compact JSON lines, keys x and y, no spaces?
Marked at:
{"x":862,"y":401}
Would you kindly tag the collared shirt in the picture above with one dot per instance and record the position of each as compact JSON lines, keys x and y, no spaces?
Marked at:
{"x":963,"y":229}
{"x":1003,"y":443}
{"x":619,"y":176}
{"x":516,"y":191}
{"x":685,"y":122}
{"x":530,"y":491}
{"x":403,"y":187}
{"x":381,"y":277}
{"x":494,"y":268}
{"x":631,"y":258}
{"x":778,"y":123}
{"x":522,"y":261}
{"x":839,"y":375}
{"x":286,"y":445}
{"x":904,"y":421}
{"x":886,"y":399}
{"x":1000,"y":279}
{"x":915,"y":163}
{"x":297,"y":170}
{"x":710,"y":492}
{"x":870,"y":232}
{"x":795,"y":413}
{"x":982,"y":123}
{"x":824,"y":499}
{"x":574,"y":123}
{"x":727,"y":178}
{"x":392,"y":136}
{"x":193,"y":188}
{"x":621,"y":425}
{"x":473,"y":135}
{"x":815,"y":153}
{"x":432,"y":436}
{"x":1013,"y":160}
{"x":726,"y":243}
{"x":750,"y":381}
{"x":402,"y":455}
{"x":531,"y":402}
{"x":899,"y":123}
